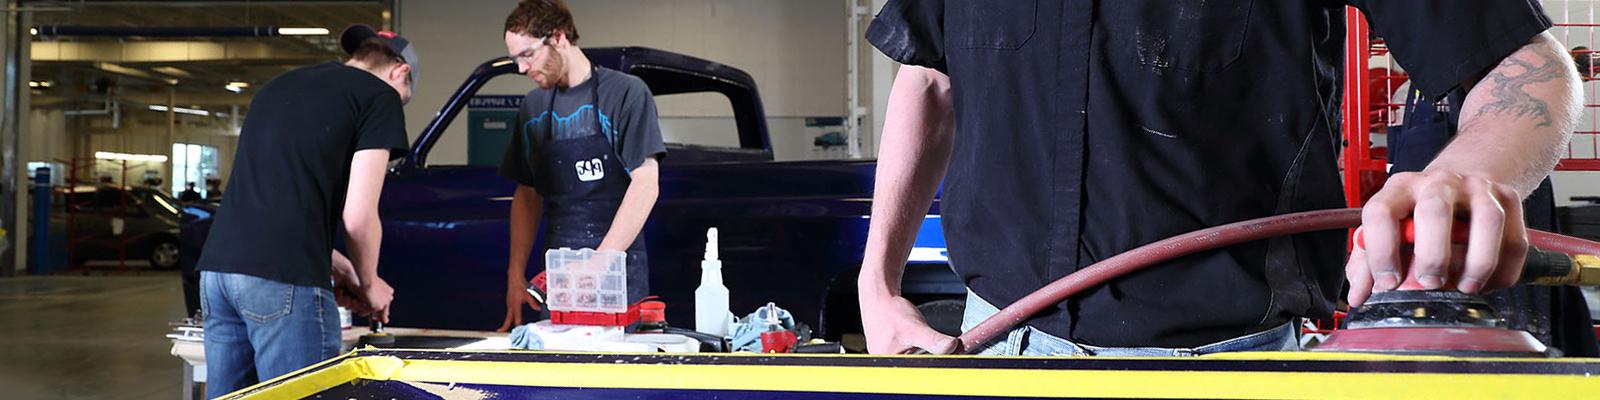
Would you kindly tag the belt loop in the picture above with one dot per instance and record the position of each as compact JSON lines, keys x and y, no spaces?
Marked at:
{"x":1018,"y":340}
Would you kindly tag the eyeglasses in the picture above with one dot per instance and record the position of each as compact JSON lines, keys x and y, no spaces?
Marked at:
{"x":528,"y":54}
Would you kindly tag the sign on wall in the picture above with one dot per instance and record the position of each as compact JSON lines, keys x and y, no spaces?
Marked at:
{"x":491,"y":119}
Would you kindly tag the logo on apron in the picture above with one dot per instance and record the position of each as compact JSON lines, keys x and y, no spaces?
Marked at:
{"x":590,"y":171}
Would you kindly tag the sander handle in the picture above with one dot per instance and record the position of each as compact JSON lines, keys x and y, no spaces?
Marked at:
{"x":1540,"y":267}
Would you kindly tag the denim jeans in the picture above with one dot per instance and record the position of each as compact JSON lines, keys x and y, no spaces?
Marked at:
{"x":257,"y":329}
{"x":1027,"y":341}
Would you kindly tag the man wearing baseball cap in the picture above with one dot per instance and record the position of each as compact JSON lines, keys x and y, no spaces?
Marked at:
{"x":311,"y":159}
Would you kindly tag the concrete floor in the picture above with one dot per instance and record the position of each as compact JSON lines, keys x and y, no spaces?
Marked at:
{"x":89,"y":337}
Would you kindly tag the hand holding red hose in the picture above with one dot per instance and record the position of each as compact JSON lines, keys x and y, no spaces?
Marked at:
{"x":1201,"y":240}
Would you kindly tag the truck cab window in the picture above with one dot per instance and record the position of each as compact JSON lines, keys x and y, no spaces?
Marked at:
{"x":698,"y":119}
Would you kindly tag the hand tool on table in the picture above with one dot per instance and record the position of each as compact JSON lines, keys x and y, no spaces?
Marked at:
{"x":377,"y":338}
{"x":776,"y":339}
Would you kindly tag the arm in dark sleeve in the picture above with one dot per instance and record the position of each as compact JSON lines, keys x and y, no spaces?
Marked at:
{"x":517,"y":164}
{"x":640,"y":127}
{"x":1444,"y":43}
{"x":382,"y":125}
{"x":910,"y":32}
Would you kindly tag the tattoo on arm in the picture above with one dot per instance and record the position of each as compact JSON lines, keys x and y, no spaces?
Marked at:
{"x":1509,"y":95}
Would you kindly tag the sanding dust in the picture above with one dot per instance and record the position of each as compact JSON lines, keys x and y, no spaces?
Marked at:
{"x":452,"y":392}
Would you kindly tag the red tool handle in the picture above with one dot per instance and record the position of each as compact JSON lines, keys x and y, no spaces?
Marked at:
{"x":1459,"y":232}
{"x":538,"y":282}
{"x":782,"y":341}
{"x":1538,"y":263}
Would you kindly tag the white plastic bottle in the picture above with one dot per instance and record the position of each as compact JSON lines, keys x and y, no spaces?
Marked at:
{"x":711,"y":298}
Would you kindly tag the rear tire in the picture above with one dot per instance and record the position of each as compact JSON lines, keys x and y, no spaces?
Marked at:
{"x":164,"y":255}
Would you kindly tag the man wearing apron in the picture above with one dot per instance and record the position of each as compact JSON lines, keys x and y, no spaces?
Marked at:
{"x":584,"y":156}
{"x":1557,"y":316}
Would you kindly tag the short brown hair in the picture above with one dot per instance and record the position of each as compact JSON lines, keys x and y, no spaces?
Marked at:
{"x":542,"y":18}
{"x":374,"y":53}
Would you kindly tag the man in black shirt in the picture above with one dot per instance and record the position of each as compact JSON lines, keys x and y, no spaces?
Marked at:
{"x":1076,"y":130}
{"x":584,"y":156}
{"x":311,"y":158}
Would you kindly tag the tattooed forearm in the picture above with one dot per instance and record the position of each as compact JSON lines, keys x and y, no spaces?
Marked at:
{"x":1516,"y":120}
{"x":1508,"y":87}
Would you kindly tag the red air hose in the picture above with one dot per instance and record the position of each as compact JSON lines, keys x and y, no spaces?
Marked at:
{"x":1562,"y":244}
{"x":1197,"y":241}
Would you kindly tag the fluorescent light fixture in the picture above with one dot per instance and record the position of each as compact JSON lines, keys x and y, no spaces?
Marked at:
{"x":33,"y":84}
{"x":236,"y":86}
{"x":239,"y":84}
{"x":190,"y":111}
{"x":45,"y":84}
{"x":134,"y":72}
{"x":173,"y":71}
{"x":302,"y":31}
{"x":106,"y":155}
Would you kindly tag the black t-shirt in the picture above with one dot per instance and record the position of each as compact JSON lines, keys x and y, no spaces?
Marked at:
{"x":627,"y":114}
{"x":291,"y":170}
{"x":1085,"y":129}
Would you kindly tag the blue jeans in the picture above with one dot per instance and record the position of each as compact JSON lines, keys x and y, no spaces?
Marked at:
{"x":1027,"y":341}
{"x":257,"y":329}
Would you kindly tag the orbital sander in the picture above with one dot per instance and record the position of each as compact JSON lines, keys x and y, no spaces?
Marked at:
{"x":1449,"y":322}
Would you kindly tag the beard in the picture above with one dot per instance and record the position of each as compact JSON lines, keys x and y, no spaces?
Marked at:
{"x":554,"y":72}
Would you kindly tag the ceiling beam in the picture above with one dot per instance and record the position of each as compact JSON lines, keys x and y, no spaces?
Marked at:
{"x":133,"y":72}
{"x":167,"y":52}
{"x":138,"y":99}
{"x":216,"y":3}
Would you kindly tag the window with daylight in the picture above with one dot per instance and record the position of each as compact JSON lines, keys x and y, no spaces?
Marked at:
{"x":193,"y":163}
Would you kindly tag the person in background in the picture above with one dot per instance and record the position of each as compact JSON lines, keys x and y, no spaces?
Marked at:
{"x":213,"y":189}
{"x":1583,"y":60}
{"x":189,"y":194}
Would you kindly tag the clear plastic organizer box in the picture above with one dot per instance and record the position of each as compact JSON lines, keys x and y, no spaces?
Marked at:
{"x":586,"y":280}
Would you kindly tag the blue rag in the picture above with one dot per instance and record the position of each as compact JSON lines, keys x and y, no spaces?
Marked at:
{"x":522,"y":337}
{"x":747,"y":331}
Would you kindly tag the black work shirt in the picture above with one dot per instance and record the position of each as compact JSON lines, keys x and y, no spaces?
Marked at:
{"x":291,"y":170}
{"x":1087,"y":128}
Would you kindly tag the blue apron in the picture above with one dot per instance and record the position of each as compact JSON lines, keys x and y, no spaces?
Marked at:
{"x":583,"y":182}
{"x":1558,"y":316}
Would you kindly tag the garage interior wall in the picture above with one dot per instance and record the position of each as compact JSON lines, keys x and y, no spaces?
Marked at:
{"x":53,"y":137}
{"x":796,"y":50}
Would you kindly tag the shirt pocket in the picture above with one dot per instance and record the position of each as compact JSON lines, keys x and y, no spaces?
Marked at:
{"x":995,"y":25}
{"x":1191,"y":35}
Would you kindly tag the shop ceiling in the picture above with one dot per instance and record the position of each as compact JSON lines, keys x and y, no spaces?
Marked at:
{"x":134,"y":53}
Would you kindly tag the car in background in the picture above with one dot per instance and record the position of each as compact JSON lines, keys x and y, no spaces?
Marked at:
{"x":110,"y":223}
{"x":792,"y":232}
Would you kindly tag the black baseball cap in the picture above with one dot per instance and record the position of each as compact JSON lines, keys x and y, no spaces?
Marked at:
{"x":352,"y":37}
